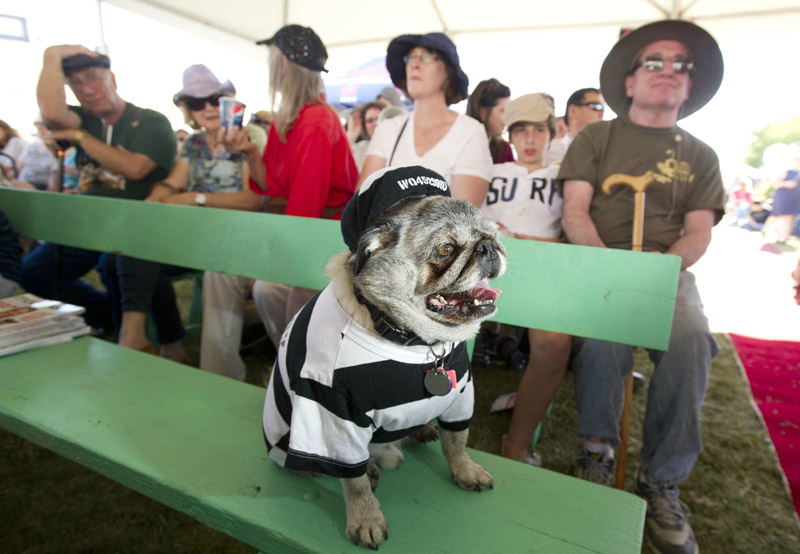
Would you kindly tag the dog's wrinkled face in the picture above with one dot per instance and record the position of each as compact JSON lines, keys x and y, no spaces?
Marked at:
{"x":424,"y":263}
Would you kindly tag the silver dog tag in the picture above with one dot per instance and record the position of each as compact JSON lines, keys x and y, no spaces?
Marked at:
{"x":437,"y":382}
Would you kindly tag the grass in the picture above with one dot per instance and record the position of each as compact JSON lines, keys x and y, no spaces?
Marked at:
{"x":51,"y":505}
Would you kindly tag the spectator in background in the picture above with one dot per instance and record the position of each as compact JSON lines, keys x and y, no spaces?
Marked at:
{"x":739,"y":201}
{"x":561,"y":127}
{"x":786,"y":202}
{"x":427,"y":69}
{"x":360,"y":129}
{"x":306,"y":169}
{"x":756,"y":218}
{"x":207,"y":174}
{"x":37,"y":165}
{"x":583,"y":106}
{"x":10,"y":259}
{"x":653,"y":77}
{"x":122,"y":151}
{"x":487,"y":104}
{"x":389,"y":97}
{"x":11,"y":148}
{"x":524,"y":202}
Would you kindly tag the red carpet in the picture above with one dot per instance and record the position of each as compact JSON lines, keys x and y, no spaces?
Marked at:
{"x":773,"y":369}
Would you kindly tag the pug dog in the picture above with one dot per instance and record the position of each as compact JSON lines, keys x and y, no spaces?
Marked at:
{"x":379,"y":353}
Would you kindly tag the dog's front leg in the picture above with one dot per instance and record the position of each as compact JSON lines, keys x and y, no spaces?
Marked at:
{"x":366,"y":525}
{"x":468,"y":474}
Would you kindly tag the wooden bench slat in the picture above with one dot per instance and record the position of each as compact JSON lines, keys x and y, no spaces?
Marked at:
{"x":614,"y":295}
{"x":192,"y":440}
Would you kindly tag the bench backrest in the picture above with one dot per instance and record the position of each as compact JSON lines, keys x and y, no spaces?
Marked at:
{"x":614,"y":295}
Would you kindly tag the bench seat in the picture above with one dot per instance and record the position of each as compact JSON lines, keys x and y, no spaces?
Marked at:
{"x":193,"y":441}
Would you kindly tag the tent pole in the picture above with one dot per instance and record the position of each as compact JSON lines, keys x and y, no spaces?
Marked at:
{"x":102,"y":47}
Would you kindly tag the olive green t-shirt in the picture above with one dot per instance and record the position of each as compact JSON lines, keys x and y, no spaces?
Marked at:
{"x":138,"y":130}
{"x":687,"y":178}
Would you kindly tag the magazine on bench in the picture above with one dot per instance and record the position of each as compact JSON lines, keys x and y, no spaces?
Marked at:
{"x":28,"y":321}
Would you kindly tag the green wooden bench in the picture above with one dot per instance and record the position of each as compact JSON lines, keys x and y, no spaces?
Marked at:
{"x":193,"y":440}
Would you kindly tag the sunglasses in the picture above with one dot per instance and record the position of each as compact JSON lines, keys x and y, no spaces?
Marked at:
{"x":596,"y":106}
{"x":655,"y":64}
{"x":197,"y":104}
{"x":427,"y":57}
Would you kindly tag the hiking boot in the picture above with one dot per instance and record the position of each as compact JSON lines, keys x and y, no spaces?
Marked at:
{"x":597,"y":468}
{"x":666,"y":528}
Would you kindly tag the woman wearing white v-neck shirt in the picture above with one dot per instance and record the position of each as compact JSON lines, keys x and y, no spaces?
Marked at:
{"x":426,"y":68}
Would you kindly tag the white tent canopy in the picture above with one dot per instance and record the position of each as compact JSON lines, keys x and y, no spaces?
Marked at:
{"x":366,"y":21}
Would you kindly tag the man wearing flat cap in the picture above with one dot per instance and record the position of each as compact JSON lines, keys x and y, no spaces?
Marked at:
{"x":652,"y":77}
{"x":122,"y":151}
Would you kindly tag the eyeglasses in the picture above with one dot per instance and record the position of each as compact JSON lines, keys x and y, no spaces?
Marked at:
{"x":91,"y":77}
{"x":197,"y":104}
{"x":596,"y":106}
{"x":657,"y":63}
{"x":427,"y":57}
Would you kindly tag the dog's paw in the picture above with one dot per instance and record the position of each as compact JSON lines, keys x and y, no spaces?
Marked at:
{"x":368,"y":529}
{"x":472,"y":477}
{"x":425,"y":434}
{"x":387,"y":456}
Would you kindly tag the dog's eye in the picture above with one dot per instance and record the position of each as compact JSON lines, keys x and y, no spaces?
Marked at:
{"x":446,"y":249}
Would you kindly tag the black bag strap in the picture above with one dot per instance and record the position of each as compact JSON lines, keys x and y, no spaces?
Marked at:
{"x":403,"y":128}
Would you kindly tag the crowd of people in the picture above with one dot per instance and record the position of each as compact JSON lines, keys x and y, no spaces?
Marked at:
{"x":535,"y":174}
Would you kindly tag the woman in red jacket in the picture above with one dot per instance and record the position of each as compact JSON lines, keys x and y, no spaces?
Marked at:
{"x":306,"y":169}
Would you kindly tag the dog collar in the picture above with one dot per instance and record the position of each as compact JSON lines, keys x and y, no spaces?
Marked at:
{"x":386,"y":327}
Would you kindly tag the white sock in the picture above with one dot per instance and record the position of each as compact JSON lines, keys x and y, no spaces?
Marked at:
{"x":599,"y":448}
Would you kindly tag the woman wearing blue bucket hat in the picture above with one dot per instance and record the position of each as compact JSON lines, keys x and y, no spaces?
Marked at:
{"x":427,"y":69}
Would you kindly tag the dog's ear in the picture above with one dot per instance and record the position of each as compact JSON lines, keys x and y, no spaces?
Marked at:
{"x":372,"y":240}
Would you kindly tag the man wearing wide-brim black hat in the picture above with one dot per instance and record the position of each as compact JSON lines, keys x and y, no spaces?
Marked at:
{"x":652,"y":77}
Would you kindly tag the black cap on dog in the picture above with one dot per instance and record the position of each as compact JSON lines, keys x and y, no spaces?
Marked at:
{"x":82,"y":61}
{"x":382,"y":190}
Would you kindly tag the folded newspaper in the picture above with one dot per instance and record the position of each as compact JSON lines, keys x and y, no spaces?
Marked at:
{"x":27,"y":322}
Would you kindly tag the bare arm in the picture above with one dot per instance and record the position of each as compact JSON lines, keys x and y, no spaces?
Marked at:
{"x":176,"y":182}
{"x":372,"y":164}
{"x":244,"y":200}
{"x":577,"y":222}
{"x":696,"y":237}
{"x":470,"y":188}
{"x":50,"y":89}
{"x":130,"y":164}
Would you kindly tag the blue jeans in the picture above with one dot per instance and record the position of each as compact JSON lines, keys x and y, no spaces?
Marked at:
{"x":44,"y":277}
{"x":136,"y":285}
{"x":672,"y":440}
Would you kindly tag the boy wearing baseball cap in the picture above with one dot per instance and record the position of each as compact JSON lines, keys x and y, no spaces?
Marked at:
{"x":523,"y":200}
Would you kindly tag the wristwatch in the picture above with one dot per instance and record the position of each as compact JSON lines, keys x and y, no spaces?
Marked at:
{"x":200,"y":199}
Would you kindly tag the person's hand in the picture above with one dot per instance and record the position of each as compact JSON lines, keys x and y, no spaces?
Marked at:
{"x":237,"y":140}
{"x":74,"y":136}
{"x":62,"y":51}
{"x":181,"y":199}
{"x":354,"y":126}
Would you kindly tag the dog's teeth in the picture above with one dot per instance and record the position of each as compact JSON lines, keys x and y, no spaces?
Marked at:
{"x":476,"y":302}
{"x":441,"y":299}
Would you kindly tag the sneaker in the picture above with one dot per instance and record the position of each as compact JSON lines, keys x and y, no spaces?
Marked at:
{"x":597,"y":468}
{"x":532,"y":458}
{"x":666,"y":528}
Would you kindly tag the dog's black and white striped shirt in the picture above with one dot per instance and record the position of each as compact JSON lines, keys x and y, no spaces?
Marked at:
{"x":326,"y":403}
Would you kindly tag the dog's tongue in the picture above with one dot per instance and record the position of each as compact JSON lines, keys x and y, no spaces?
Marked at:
{"x":483,"y":292}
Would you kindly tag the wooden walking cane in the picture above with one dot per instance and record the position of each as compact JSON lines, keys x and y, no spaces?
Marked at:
{"x":639,"y":185}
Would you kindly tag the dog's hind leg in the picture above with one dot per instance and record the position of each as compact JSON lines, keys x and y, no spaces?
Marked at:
{"x":386,"y":456}
{"x":468,"y":474}
{"x":424,"y":434}
{"x":366,"y":525}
